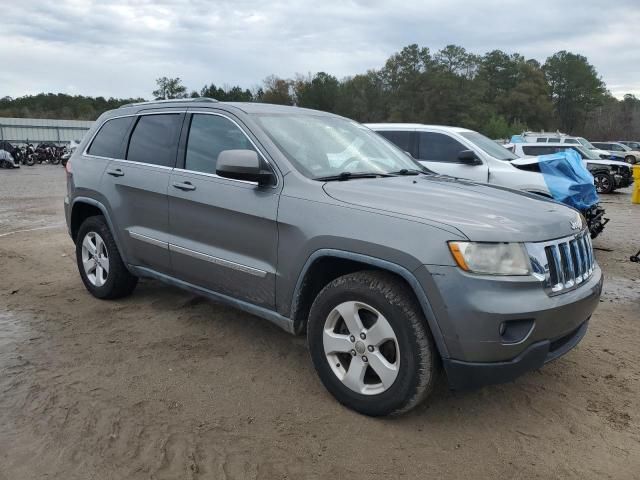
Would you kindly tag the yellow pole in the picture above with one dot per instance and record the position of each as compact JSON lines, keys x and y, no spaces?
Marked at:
{"x":635,"y":194}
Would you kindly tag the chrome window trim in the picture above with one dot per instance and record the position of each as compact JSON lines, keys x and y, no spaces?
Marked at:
{"x":258,"y":150}
{"x":213,"y":175}
{"x":218,"y":261}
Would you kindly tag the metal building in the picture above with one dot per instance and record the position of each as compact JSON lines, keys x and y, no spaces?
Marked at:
{"x":38,"y":130}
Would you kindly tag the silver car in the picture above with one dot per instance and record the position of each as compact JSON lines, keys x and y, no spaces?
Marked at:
{"x":319,"y":225}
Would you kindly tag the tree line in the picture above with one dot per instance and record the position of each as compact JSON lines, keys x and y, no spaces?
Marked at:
{"x":497,"y":93}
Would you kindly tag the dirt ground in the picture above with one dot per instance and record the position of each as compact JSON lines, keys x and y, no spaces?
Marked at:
{"x":166,"y":385}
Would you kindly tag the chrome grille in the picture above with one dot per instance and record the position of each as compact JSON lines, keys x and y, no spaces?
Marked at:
{"x":562,"y":264}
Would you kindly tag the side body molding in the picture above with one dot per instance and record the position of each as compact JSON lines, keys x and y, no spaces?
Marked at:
{"x":383,"y":265}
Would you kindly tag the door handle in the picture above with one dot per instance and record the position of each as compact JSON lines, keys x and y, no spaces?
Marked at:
{"x":184,"y":186}
{"x":115,"y":172}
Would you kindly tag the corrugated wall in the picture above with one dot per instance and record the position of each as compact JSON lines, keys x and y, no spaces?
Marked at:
{"x":36,"y":130}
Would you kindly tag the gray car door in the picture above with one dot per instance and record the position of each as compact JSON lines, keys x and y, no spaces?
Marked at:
{"x":223,"y":232}
{"x":136,"y":189}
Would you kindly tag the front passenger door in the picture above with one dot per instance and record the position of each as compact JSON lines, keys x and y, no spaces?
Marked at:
{"x":224,"y":235}
{"x":439,"y":152}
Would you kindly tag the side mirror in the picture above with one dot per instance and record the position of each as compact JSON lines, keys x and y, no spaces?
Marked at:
{"x":243,"y":165}
{"x":469,"y":157}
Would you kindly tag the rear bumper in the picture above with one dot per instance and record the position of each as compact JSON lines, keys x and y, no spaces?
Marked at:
{"x":467,"y":375}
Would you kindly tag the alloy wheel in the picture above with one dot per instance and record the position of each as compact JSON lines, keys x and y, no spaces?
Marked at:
{"x":602,"y":183}
{"x":95,"y":259}
{"x":361,"y":348}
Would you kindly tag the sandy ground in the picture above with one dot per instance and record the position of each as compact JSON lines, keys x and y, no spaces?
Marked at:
{"x":168,"y":385}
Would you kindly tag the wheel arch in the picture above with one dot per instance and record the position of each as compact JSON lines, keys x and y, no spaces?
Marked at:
{"x":325,"y":265}
{"x":85,"y":207}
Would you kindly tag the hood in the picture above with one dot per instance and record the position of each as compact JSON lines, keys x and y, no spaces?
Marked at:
{"x":482,"y":212}
{"x":610,"y":162}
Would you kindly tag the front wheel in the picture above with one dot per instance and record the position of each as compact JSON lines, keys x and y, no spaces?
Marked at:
{"x":603,"y":182}
{"x":370,"y":344}
{"x":630,"y":159}
{"x":101,"y":268}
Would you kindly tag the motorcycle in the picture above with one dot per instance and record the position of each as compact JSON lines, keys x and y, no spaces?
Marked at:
{"x":29,"y":155}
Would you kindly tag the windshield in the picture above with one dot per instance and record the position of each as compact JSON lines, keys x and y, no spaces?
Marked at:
{"x":585,"y":143}
{"x":489,"y":146}
{"x":586,"y":153}
{"x":322,"y":146}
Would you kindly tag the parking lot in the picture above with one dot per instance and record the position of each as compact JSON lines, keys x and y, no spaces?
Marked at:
{"x":165,"y":384}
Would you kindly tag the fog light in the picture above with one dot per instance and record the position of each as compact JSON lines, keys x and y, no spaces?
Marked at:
{"x":515,"y":331}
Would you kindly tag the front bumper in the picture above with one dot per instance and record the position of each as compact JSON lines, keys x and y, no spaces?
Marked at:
{"x":467,"y":375}
{"x":622,"y":181}
{"x":472,"y":311}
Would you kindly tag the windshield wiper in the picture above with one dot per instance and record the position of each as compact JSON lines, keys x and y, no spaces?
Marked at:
{"x":407,"y":171}
{"x":342,"y":176}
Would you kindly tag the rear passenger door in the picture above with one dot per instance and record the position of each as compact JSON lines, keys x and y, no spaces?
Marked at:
{"x":136,"y":188}
{"x":224,"y":234}
{"x":439,"y":152}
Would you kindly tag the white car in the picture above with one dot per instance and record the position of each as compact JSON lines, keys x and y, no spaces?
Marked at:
{"x":621,"y":173}
{"x":463,"y":153}
{"x":616,"y":148}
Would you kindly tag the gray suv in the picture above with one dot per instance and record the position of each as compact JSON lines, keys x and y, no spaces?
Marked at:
{"x":319,"y":225}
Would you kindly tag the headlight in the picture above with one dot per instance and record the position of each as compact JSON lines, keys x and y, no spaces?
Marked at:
{"x":491,"y":258}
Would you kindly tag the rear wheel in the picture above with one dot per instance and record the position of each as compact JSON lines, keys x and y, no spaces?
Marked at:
{"x":101,"y":268}
{"x":370,"y":344}
{"x":603,"y":182}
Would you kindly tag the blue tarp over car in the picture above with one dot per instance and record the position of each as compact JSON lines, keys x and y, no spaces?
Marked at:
{"x":568,"y":179}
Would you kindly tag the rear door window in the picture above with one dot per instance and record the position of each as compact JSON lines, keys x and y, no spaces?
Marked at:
{"x":438,"y":147}
{"x":404,"y":140}
{"x":155,"y":139}
{"x":110,"y":140}
{"x":208,"y":136}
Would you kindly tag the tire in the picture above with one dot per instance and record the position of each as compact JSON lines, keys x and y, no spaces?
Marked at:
{"x":630,"y":159}
{"x":30,"y":161}
{"x":603,"y":182}
{"x":95,"y":246}
{"x":376,"y":297}
{"x":54,"y":160}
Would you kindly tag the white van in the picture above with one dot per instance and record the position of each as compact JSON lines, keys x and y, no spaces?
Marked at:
{"x":557,"y":137}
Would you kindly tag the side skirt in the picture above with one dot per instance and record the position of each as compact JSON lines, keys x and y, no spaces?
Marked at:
{"x":283,"y":322}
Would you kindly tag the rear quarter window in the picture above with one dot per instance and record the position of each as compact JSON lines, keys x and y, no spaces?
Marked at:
{"x":110,"y":139}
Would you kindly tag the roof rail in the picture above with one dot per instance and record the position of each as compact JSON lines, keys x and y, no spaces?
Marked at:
{"x":172,"y":100}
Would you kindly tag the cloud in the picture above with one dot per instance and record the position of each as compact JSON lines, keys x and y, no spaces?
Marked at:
{"x":118,"y":48}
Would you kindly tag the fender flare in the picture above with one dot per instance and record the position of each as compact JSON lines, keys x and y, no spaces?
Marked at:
{"x":100,"y":206}
{"x":403,"y":272}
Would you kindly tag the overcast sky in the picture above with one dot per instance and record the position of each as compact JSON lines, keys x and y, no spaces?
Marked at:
{"x":118,"y":48}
